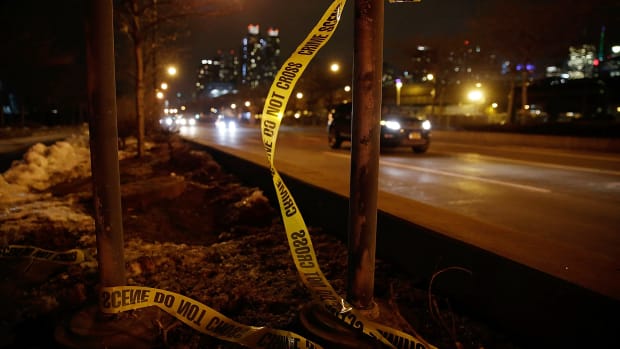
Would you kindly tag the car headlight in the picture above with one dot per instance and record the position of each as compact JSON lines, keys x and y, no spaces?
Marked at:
{"x":392,"y":125}
{"x":191,"y":122}
{"x":426,"y":125}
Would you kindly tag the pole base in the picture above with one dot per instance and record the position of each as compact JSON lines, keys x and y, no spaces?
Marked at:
{"x":91,"y":329}
{"x":330,"y":332}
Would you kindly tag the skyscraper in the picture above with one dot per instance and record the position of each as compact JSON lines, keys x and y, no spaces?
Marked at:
{"x":256,"y":64}
{"x":252,"y":56}
{"x":260,"y":56}
{"x":219,"y":74}
{"x":271,"y":62}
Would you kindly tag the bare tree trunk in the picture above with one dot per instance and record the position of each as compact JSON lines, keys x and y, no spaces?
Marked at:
{"x":511,"y":99}
{"x":435,"y":112}
{"x":435,"y":99}
{"x":138,"y":50}
{"x":523,"y":90}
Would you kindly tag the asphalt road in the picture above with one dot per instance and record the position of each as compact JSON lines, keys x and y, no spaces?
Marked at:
{"x":551,"y":210}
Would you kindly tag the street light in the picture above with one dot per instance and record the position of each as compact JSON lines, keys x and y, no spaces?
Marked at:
{"x":399,"y":85}
{"x":476,"y":96}
{"x":172,"y":70}
{"x":334,"y":67}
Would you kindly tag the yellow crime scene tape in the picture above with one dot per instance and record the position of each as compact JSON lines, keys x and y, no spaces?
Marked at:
{"x":299,"y":240}
{"x":191,"y":312}
{"x":199,"y":317}
{"x":209,"y":321}
{"x":72,"y":256}
{"x":203,"y":318}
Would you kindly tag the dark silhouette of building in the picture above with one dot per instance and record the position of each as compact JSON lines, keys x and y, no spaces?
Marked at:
{"x":256,"y":64}
{"x":271,"y":51}
{"x":218,"y":75}
{"x":252,"y":56}
{"x":260,"y":56}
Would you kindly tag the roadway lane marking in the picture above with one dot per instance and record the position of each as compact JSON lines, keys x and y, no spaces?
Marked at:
{"x":538,"y":163}
{"x":457,"y":175}
{"x":543,"y":164}
{"x":542,"y":151}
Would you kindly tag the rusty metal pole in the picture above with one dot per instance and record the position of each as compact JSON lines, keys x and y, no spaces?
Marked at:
{"x":365,"y":133}
{"x":104,"y":143}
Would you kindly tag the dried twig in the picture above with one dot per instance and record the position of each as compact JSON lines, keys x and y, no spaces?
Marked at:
{"x":434,"y":307}
{"x":164,"y":329}
{"x":403,"y":322}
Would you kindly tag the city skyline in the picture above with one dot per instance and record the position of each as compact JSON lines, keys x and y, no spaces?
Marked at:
{"x":425,"y":22}
{"x":295,"y":19}
{"x":48,"y":39}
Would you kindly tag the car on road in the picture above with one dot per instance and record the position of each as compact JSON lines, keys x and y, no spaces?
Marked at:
{"x":173,"y":123}
{"x":398,"y":128}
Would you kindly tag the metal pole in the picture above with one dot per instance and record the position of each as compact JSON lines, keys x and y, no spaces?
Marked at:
{"x":367,"y":71}
{"x":104,"y":144}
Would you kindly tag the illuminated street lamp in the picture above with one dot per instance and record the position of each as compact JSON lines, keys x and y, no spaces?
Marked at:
{"x":399,"y":85}
{"x":475,"y":96}
{"x":172,"y":70}
{"x":334,"y":67}
{"x":299,"y":95}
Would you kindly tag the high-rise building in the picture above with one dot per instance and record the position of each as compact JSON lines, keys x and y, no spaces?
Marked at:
{"x":219,"y":74}
{"x":256,"y":64}
{"x":229,"y":67}
{"x":271,"y":61}
{"x":252,"y":53}
{"x":260,"y":56}
{"x":581,"y":61}
{"x":610,"y":67}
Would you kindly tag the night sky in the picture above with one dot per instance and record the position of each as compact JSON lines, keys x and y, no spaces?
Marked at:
{"x":297,"y":17}
{"x":410,"y":23}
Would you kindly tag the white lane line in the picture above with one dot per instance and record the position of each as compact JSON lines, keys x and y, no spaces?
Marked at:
{"x":457,"y":175}
{"x":540,"y":164}
{"x":543,"y":151}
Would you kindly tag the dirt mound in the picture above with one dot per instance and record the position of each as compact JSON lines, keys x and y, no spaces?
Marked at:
{"x":191,"y":227}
